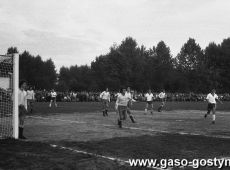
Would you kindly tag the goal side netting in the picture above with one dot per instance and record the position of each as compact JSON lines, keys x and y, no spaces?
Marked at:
{"x":9,"y":77}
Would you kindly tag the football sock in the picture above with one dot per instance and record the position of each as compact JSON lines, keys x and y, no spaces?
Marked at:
{"x":21,"y":133}
{"x":213,"y":118}
{"x":119,"y":123}
{"x":132,"y":119}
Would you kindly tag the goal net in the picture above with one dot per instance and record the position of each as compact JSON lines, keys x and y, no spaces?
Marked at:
{"x":9,"y":70}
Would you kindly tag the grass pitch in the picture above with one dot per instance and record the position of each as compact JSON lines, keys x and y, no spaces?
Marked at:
{"x":174,"y":133}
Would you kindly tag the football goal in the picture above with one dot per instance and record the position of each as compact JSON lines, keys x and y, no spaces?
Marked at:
{"x":9,"y":80}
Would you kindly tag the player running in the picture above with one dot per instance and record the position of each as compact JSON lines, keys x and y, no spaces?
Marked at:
{"x":105,"y":97}
{"x":122,"y":102}
{"x":53,"y":95}
{"x":162,"y":97}
{"x":211,"y":99}
{"x":116,"y":104}
{"x":149,"y":101}
{"x":129,"y":95}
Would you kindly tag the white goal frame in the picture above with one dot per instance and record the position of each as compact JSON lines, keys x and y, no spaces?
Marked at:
{"x":14,"y":86}
{"x":15,"y":95}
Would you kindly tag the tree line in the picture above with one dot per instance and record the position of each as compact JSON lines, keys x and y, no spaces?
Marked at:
{"x":38,"y":73}
{"x":193,"y":69}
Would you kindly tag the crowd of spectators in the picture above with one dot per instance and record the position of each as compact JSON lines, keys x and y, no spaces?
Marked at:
{"x":84,"y":96}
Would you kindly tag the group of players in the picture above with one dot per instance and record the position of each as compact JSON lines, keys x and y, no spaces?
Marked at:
{"x":125,"y":101}
{"x":123,"y":104}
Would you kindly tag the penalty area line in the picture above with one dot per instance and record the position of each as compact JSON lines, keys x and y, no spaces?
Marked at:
{"x":118,"y":160}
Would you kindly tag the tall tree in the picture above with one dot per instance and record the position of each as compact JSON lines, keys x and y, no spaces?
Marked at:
{"x":164,"y":65}
{"x":12,"y":50}
{"x":225,"y":65}
{"x":38,"y":73}
{"x":189,"y":63}
{"x":190,"y":55}
{"x":212,"y":65}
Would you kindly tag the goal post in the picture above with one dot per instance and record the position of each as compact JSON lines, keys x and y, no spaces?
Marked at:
{"x":15,"y":84}
{"x":9,"y":81}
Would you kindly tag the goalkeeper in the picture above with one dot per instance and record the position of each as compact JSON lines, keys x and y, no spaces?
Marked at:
{"x":22,"y":103}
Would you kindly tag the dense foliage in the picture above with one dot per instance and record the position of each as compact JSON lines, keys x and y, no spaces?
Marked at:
{"x":192,"y":70}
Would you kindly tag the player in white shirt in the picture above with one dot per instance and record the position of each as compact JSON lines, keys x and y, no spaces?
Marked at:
{"x":122,"y":102}
{"x":105,"y":97}
{"x":149,"y":101}
{"x":22,"y":107}
{"x":53,"y":96}
{"x":30,"y":99}
{"x":162,"y":97}
{"x":211,"y":99}
{"x":129,"y":95}
{"x":116,"y":104}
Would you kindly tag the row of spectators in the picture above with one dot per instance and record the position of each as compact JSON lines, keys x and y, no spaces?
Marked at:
{"x":44,"y":96}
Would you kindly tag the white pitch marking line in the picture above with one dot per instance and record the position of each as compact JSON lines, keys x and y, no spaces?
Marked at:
{"x":135,"y":128}
{"x":40,"y":117}
{"x":226,"y":158}
{"x":121,"y":161}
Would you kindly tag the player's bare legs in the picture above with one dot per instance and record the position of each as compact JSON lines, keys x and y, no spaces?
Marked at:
{"x":209,"y":109}
{"x":122,"y":115}
{"x":130,"y":115}
{"x":161,"y":106}
{"x":213,"y":115}
{"x":129,"y":112}
{"x":106,"y":108}
{"x":146,"y":108}
{"x":53,"y":101}
{"x":151,"y":109}
{"x":105,"y":105}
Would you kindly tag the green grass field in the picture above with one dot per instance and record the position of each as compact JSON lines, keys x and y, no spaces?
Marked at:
{"x":55,"y":137}
{"x":82,"y":107}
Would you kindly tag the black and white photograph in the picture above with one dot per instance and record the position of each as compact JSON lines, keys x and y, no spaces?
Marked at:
{"x":114,"y":84}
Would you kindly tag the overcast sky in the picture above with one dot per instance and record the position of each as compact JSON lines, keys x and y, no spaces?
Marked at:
{"x":76,"y":31}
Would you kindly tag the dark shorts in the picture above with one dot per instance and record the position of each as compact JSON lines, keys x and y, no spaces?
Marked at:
{"x":211,"y":106}
{"x":105,"y":103}
{"x":30,"y":102}
{"x":122,"y":112}
{"x":53,"y":99}
{"x":149,"y":102}
{"x":22,"y":111}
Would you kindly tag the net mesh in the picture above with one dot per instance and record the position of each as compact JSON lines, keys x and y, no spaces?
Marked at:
{"x":6,"y":90}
